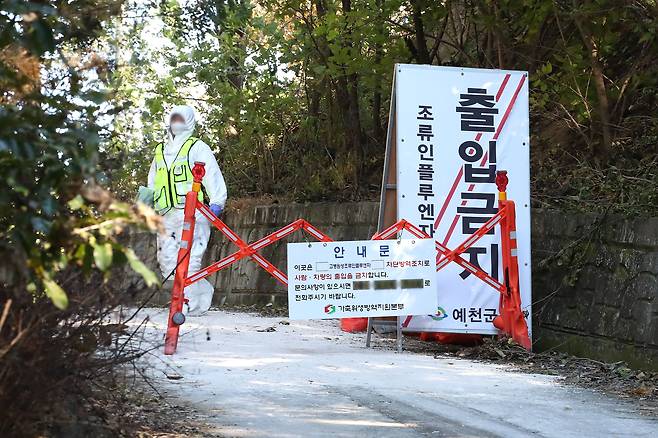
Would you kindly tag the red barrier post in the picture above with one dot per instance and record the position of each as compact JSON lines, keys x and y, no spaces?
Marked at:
{"x":176,"y":316}
{"x":511,"y":319}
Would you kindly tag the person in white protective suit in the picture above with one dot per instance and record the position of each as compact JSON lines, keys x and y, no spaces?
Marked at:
{"x":170,"y":178}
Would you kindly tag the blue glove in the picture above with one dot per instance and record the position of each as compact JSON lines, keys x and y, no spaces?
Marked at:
{"x":216,"y":209}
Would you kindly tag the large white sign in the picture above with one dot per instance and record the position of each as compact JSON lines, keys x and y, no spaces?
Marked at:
{"x":456,"y":127}
{"x":361,"y":278}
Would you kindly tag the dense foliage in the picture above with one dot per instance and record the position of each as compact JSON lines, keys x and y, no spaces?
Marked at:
{"x":55,"y":211}
{"x":285,"y":85}
{"x":58,"y":226}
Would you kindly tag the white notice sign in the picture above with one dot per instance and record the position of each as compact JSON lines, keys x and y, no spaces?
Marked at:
{"x":361,"y":278}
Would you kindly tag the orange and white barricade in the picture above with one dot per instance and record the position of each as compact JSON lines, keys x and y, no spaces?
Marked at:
{"x":510,"y":319}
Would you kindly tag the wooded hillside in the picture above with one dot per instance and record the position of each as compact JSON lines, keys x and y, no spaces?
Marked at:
{"x":285,"y":85}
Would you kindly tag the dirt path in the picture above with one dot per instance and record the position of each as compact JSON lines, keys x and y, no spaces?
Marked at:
{"x":258,"y":376}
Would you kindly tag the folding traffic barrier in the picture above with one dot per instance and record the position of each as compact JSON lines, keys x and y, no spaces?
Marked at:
{"x":510,"y":319}
{"x":182,"y":280}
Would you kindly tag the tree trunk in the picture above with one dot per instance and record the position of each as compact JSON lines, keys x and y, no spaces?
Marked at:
{"x":377,"y":129}
{"x":353,"y":116}
{"x":422,"y":53}
{"x":601,"y":150}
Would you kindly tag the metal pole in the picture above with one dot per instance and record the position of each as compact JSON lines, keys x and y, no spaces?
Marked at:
{"x":368,"y":332}
{"x":399,"y":333}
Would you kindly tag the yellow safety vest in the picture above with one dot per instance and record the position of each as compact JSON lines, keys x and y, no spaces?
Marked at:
{"x":172,"y":183}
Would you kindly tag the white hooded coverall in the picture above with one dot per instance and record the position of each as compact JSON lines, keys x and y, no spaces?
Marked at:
{"x":199,"y":294}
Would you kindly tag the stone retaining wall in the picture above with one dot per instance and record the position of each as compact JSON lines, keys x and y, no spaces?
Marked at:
{"x":595,"y":281}
{"x":595,"y":285}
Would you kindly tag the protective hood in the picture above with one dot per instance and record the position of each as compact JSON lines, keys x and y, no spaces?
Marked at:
{"x":187,"y":113}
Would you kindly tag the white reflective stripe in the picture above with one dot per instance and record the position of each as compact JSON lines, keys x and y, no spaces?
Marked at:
{"x":183,"y":244}
{"x":420,"y":233}
{"x":490,"y":282}
{"x":186,"y":225}
{"x":315,"y":233}
{"x":442,"y":263}
{"x":218,"y":266}
{"x":512,"y":234}
{"x":284,"y":231}
{"x":230,"y":234}
{"x":260,"y":260}
{"x":226,"y":262}
{"x":470,"y":241}
{"x":514,"y":252}
{"x":280,"y":276}
{"x":198,"y":275}
{"x":205,"y":210}
{"x":470,"y":267}
{"x":261,"y":244}
{"x":441,"y":247}
{"x":496,"y":220}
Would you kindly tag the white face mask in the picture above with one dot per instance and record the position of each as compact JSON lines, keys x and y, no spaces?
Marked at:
{"x":177,"y":128}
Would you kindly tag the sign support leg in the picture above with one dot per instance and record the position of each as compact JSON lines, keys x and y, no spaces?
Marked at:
{"x":398,"y":331}
{"x":387,"y":200}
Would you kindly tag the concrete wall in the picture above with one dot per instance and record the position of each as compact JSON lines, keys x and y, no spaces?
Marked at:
{"x":595,"y":286}
{"x":595,"y":281}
